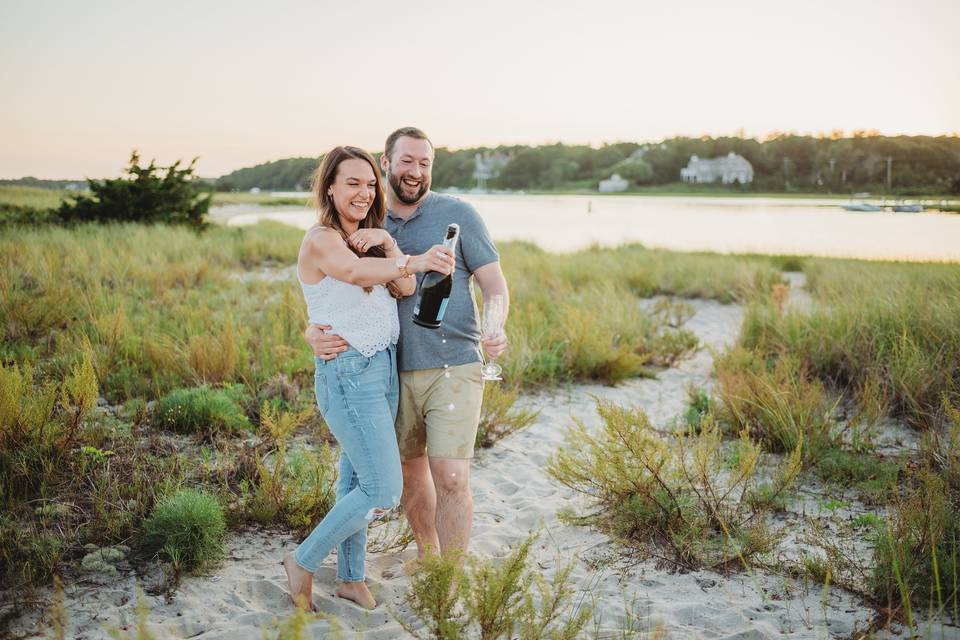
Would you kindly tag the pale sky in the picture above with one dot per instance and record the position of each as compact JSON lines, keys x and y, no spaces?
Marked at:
{"x":239,"y":83}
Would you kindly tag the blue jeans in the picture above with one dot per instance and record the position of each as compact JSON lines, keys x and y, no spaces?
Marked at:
{"x":358,"y":398}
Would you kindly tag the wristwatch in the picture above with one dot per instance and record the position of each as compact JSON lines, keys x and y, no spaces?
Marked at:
{"x":402,"y":265}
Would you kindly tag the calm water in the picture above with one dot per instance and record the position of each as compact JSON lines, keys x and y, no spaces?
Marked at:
{"x":725,"y":225}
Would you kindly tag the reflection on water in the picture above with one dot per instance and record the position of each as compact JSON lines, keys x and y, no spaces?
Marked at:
{"x":726,"y":225}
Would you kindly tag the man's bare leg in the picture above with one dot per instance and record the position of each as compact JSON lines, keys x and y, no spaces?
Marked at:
{"x":451,"y":477}
{"x":419,"y":501}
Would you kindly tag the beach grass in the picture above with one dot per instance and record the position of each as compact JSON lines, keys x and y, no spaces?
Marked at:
{"x":779,"y":405}
{"x":266,"y":199}
{"x":31,"y":197}
{"x":884,"y":334}
{"x":576,"y":317}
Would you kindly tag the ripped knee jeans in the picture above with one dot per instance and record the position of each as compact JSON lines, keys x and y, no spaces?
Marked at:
{"x":358,"y":398}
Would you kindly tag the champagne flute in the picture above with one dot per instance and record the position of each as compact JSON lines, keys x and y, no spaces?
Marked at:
{"x":492,"y":327}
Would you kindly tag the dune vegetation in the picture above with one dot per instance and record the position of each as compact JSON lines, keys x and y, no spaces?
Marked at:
{"x":155,"y":387}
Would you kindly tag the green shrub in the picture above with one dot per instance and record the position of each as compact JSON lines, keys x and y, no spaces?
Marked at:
{"x":12,"y":214}
{"x":201,"y":410}
{"x":498,"y":418}
{"x":145,"y":196}
{"x":298,"y":487}
{"x":788,"y":263}
{"x":188,"y":529}
{"x":38,"y":434}
{"x":676,"y":490}
{"x":698,"y":407}
{"x":916,"y":561}
{"x":491,"y":599}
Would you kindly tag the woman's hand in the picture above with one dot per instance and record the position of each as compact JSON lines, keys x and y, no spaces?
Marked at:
{"x":438,"y":258}
{"x":363,"y":239}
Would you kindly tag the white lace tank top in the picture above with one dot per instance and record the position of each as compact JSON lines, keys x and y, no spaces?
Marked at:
{"x":367,"y":321}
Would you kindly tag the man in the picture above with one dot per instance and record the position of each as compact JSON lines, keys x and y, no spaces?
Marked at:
{"x":440,"y":382}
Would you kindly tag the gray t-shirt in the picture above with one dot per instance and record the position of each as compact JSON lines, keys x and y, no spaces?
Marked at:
{"x":457,"y":341}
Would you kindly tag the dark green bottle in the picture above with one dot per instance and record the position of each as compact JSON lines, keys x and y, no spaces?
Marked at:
{"x":435,"y":289}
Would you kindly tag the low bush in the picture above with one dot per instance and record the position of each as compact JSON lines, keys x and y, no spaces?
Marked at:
{"x":144,"y":196}
{"x":40,"y":425}
{"x":676,"y":490}
{"x":698,"y":407}
{"x":201,"y":410}
{"x":915,"y":563}
{"x":188,"y":529}
{"x":12,"y":214}
{"x":491,"y":599}
{"x":296,"y":487}
{"x":498,"y":418}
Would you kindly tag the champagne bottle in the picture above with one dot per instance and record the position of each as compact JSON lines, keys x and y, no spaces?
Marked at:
{"x":435,"y":289}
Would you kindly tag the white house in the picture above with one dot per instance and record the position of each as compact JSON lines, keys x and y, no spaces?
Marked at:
{"x":728,"y":169}
{"x":488,"y":166}
{"x":613,"y":184}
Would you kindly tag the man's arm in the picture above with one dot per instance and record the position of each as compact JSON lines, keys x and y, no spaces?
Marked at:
{"x":325,"y":346}
{"x":491,"y":281}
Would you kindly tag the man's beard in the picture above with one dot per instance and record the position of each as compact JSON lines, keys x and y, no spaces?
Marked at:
{"x":397,"y":186}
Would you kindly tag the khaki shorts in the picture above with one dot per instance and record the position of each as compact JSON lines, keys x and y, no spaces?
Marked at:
{"x":439,"y":413}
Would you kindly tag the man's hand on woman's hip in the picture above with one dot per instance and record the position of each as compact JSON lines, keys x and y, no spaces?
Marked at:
{"x":325,"y":346}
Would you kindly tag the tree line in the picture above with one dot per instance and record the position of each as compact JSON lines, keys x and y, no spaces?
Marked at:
{"x":781,"y":163}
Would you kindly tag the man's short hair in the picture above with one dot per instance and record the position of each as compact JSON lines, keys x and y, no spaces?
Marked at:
{"x":404,"y":132}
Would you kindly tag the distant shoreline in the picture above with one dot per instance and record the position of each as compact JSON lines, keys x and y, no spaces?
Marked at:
{"x":291,"y":197}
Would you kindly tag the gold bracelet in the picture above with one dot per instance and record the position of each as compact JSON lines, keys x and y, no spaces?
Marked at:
{"x":402,"y":266}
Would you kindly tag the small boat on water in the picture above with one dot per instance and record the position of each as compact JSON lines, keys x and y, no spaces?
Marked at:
{"x":861,"y":206}
{"x":908,"y":208}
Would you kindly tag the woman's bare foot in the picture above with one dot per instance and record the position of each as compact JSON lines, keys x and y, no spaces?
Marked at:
{"x":299,"y":583}
{"x":357,"y":592}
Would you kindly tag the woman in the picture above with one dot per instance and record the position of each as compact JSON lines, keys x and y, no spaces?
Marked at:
{"x":351,"y":272}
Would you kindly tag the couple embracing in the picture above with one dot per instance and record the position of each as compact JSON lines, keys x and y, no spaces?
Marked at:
{"x":402,"y":401}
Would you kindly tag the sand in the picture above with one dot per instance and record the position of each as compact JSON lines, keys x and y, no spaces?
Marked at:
{"x":513,"y":497}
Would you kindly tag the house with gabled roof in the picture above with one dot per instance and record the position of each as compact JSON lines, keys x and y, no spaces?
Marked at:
{"x":727,"y":169}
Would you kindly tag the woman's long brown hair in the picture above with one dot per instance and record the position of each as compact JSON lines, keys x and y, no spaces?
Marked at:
{"x":327,"y":212}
